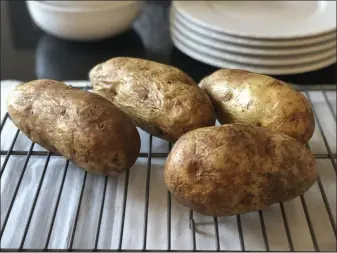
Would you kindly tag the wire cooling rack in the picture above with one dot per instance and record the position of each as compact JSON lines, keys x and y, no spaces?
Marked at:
{"x":48,"y":204}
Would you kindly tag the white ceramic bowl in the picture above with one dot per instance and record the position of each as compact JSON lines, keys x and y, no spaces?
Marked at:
{"x":83,"y":24}
{"x":79,"y":5}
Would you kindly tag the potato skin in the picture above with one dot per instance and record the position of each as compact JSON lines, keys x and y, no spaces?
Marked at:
{"x":240,"y":96}
{"x":80,"y":125}
{"x":237,"y":168}
{"x":162,"y":100}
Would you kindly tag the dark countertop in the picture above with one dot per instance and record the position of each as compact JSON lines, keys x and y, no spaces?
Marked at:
{"x":27,"y":53}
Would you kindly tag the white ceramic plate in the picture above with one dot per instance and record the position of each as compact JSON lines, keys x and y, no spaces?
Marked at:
{"x":220,"y":63}
{"x":249,"y":59}
{"x":263,"y":19}
{"x":250,"y":41}
{"x":246,"y":49}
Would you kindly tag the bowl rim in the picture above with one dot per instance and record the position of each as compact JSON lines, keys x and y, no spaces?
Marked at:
{"x":91,"y":9}
{"x":84,"y":2}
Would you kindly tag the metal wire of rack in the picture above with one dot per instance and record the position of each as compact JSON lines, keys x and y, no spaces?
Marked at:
{"x":192,"y":224}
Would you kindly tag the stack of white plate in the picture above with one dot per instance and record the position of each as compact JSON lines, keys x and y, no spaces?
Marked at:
{"x":271,"y":37}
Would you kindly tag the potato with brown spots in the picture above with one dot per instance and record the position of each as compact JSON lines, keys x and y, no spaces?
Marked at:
{"x":161,"y":99}
{"x":240,"y":96}
{"x":237,"y":168}
{"x":80,"y":125}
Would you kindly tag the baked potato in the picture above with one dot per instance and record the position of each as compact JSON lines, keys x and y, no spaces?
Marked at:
{"x":240,"y":96}
{"x":237,"y":168}
{"x":80,"y":125}
{"x":162,"y":100}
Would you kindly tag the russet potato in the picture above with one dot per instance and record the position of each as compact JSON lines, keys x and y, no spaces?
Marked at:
{"x":161,"y":99}
{"x":241,"y":96}
{"x":237,"y":168}
{"x":80,"y":125}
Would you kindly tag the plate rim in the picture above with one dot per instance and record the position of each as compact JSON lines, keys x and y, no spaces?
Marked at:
{"x":246,"y":59}
{"x":216,"y":27}
{"x":253,"y":41}
{"x":262,"y":51}
{"x":218,"y":63}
